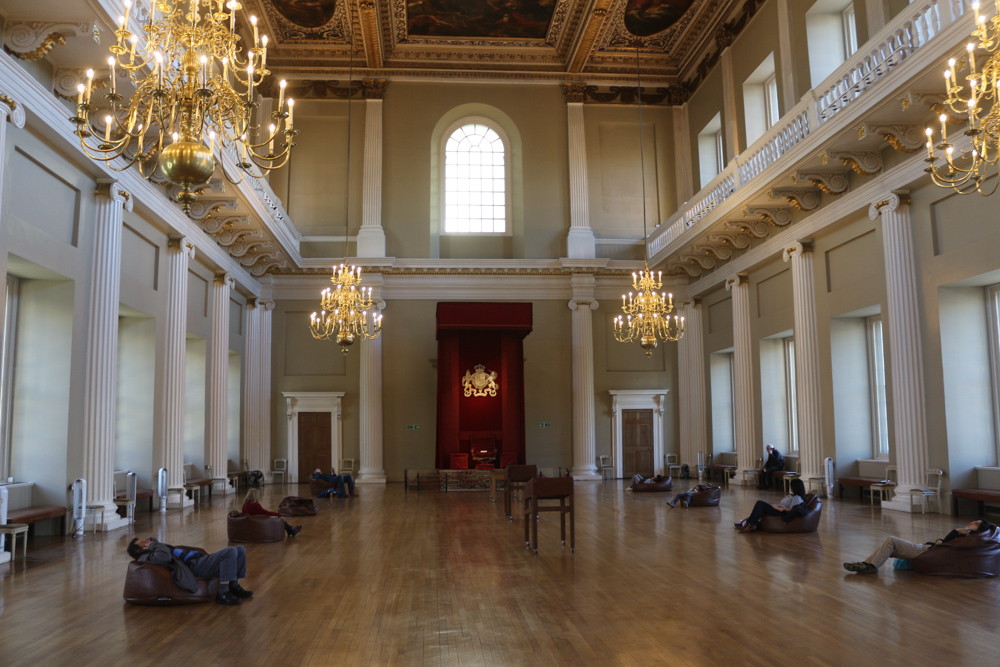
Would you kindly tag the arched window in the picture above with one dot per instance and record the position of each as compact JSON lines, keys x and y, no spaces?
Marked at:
{"x":475,"y":192}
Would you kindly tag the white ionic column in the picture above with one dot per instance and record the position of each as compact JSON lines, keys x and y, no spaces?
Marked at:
{"x":179,"y":253}
{"x":372,"y":469}
{"x":101,"y":383}
{"x":218,"y":385}
{"x":580,"y":243}
{"x":13,"y":112}
{"x":807,"y":380}
{"x":251,"y":379}
{"x":583,"y":304}
{"x":906,"y":365}
{"x":691,"y":361}
{"x":371,"y":236}
{"x":264,"y":308}
{"x":730,"y":118}
{"x":743,"y":395}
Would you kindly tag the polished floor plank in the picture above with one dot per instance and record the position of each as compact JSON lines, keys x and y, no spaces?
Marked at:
{"x":403,"y":578}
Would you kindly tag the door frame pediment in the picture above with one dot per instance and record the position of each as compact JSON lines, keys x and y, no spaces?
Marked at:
{"x":637,"y":399}
{"x":312,"y":401}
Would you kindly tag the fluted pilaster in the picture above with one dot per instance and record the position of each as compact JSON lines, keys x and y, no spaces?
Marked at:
{"x":251,"y":382}
{"x":691,"y":366}
{"x":372,"y":470}
{"x":179,"y":254}
{"x":743,"y":395}
{"x":807,"y":379}
{"x":263,"y":408}
{"x":218,"y":384}
{"x":580,"y":242}
{"x":13,"y":112}
{"x":583,"y":304}
{"x":906,"y":367}
{"x":371,"y":236}
{"x":101,"y":383}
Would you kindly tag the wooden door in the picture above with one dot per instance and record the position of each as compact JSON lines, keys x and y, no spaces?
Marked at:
{"x":314,"y":443}
{"x":637,"y":443}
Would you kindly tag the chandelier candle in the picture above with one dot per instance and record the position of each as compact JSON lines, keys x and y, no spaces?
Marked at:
{"x":181,"y":86}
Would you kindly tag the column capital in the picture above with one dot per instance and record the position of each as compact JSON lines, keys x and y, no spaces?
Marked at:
{"x":224,"y":278}
{"x":575,"y":92}
{"x":11,"y":110}
{"x":373,"y":89}
{"x":796,"y":249}
{"x":583,"y":301}
{"x":111,"y":188}
{"x":736,"y":281}
{"x":266,"y":305}
{"x":181,"y":244}
{"x":889,"y":203}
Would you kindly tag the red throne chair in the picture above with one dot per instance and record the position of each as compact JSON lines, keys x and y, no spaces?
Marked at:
{"x":484,"y":451}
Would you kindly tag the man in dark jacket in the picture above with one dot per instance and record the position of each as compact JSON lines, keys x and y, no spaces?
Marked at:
{"x":186,"y":565}
{"x":774,"y":463}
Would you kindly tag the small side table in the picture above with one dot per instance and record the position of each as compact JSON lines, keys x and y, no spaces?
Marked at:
{"x":94,"y":511}
{"x":15,"y":529}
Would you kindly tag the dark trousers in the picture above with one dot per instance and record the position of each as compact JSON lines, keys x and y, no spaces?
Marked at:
{"x":684,"y":497}
{"x":227,"y":564}
{"x":765,"y":477}
{"x":760,"y":510}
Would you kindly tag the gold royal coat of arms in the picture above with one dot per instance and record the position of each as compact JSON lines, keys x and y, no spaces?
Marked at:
{"x":480,"y":383}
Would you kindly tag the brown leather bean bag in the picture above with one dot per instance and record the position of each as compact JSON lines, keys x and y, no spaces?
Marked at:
{"x":318,"y":486}
{"x":246,"y":528}
{"x":149,"y":584}
{"x":295,"y":506}
{"x":800,"y":524}
{"x":975,"y":556}
{"x":706,"y":496}
{"x":666,"y":485}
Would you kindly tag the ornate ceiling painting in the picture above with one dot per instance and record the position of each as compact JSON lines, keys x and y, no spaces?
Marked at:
{"x":529,"y":40}
{"x":498,"y":19}
{"x":644,"y":18}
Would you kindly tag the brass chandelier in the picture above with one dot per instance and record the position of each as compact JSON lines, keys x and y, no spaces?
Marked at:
{"x":646,"y":313}
{"x":347,"y":313}
{"x":977,"y":98}
{"x":345,"y":310}
{"x":193,"y":98}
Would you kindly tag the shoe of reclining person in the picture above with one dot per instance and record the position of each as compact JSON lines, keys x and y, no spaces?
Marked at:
{"x":671,"y":502}
{"x":293,"y":531}
{"x":227,"y":598}
{"x":238,"y":591}
{"x":861,"y":567}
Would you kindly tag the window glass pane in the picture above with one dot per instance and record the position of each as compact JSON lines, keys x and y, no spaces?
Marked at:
{"x":881,"y":420}
{"x":793,"y":407}
{"x":474,"y":159}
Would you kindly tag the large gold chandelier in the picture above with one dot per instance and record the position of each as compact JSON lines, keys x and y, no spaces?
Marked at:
{"x":646,"y":313}
{"x":977,"y":98}
{"x":193,"y":98}
{"x":347,"y":312}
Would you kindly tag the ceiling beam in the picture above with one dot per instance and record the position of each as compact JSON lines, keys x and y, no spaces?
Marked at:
{"x":585,"y":46}
{"x":370,"y":34}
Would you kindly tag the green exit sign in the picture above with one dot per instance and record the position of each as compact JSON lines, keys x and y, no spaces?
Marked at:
{"x":544,"y":425}
{"x":412,"y":427}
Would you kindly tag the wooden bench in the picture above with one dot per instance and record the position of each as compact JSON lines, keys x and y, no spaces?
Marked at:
{"x":20,"y":509}
{"x":191,"y":483}
{"x":140,"y":494}
{"x":861,"y":482}
{"x":981,"y":496}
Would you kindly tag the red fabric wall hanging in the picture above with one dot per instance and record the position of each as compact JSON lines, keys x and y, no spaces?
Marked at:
{"x":490,"y":334}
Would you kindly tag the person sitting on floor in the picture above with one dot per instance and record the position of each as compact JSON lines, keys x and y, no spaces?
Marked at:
{"x":339,"y":482}
{"x":774,"y":463}
{"x":228,"y":565}
{"x":791,"y":506}
{"x":685,"y":496}
{"x":895,"y":547}
{"x":639,"y":479}
{"x":252,"y":507}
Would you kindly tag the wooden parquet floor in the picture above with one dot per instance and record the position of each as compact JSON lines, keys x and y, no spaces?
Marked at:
{"x":396,"y":578}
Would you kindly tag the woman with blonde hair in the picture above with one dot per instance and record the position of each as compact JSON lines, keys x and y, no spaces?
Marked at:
{"x":252,"y":506}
